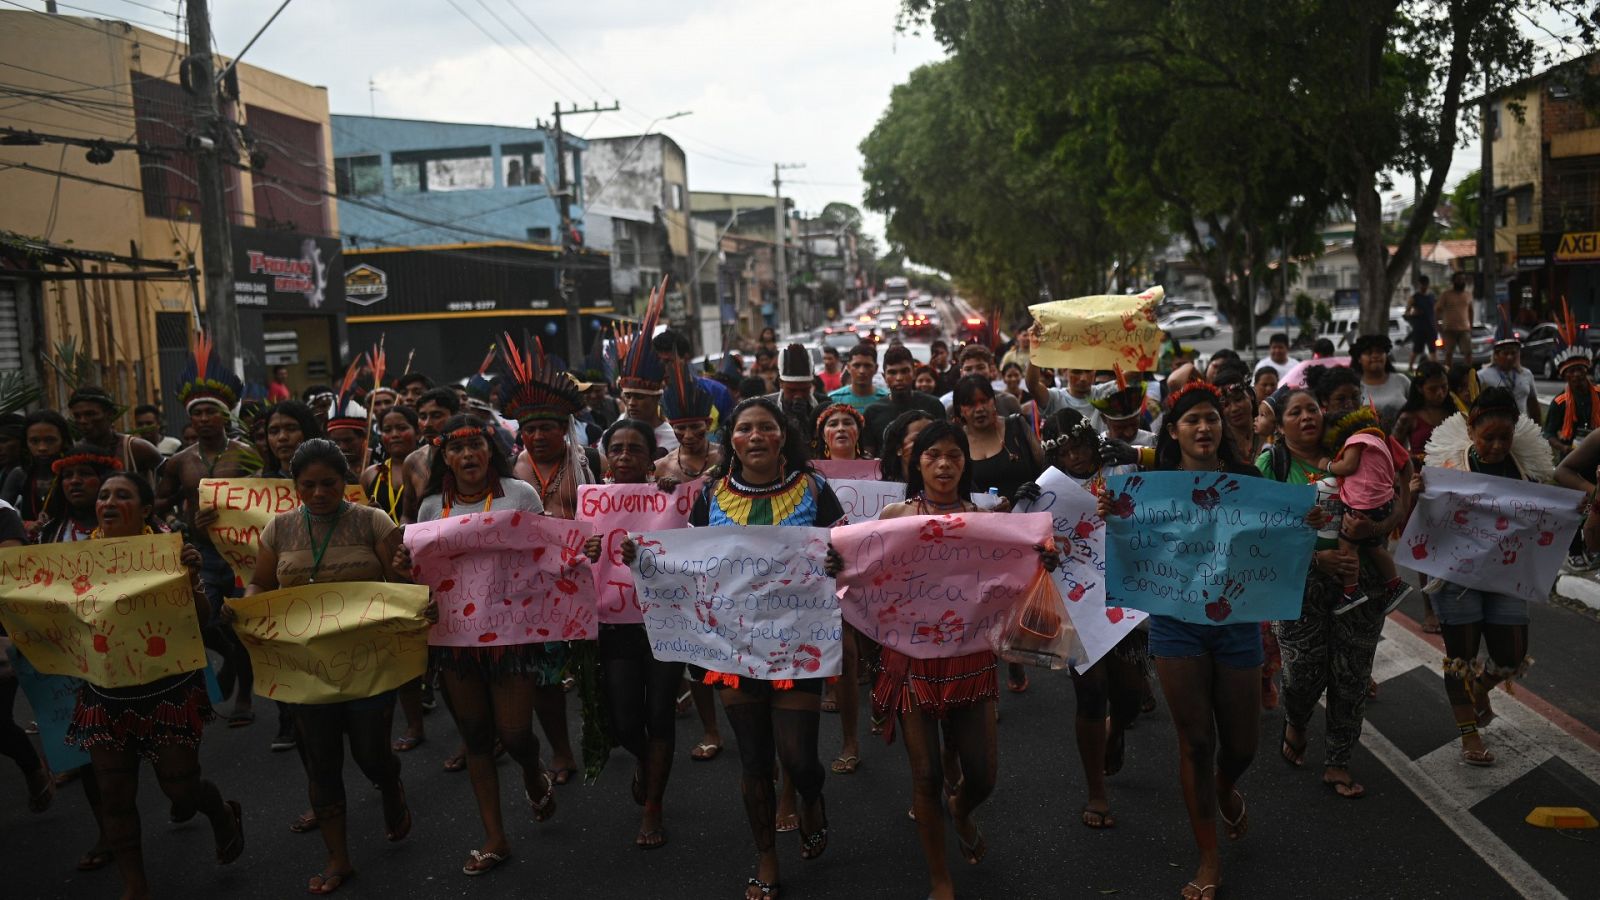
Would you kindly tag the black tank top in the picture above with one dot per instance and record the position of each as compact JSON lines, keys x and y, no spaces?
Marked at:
{"x":1009,"y":469}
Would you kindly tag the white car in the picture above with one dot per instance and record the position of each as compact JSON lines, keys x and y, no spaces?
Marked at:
{"x":1203,"y":325}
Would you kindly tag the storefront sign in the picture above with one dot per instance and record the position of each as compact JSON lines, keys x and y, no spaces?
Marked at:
{"x":1530,"y":250}
{"x":365,"y":285}
{"x":285,"y":270}
{"x":1579,"y":246}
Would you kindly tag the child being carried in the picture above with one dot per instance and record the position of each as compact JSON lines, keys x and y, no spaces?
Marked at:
{"x":1366,"y":463}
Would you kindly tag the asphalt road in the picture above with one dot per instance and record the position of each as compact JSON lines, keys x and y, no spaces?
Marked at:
{"x":1303,"y":842}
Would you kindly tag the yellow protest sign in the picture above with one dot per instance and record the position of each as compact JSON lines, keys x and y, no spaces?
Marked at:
{"x":117,"y":612}
{"x":1098,"y":332}
{"x":244,"y":507}
{"x":320,"y":643}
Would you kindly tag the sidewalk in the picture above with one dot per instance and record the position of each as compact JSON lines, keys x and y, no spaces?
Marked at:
{"x":1584,"y":588}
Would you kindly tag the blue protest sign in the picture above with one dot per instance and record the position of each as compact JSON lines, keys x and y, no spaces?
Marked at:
{"x":1208,"y":547}
{"x":53,"y":698}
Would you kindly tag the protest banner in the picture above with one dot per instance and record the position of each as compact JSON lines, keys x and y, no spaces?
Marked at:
{"x":505,"y":577}
{"x":1098,"y":332}
{"x":615,"y":511}
{"x":324,"y":642}
{"x":755,"y":602}
{"x":858,"y":469}
{"x":1496,"y":534}
{"x":863,"y":500}
{"x":1208,"y":547}
{"x":52,"y":699}
{"x":117,"y":612}
{"x":931,"y":586}
{"x":244,"y":507}
{"x":1081,"y":577}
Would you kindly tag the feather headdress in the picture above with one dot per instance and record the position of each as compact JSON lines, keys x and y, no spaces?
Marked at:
{"x":539,"y":388}
{"x":346,"y":411}
{"x":641,"y":368}
{"x":1503,"y":332}
{"x":205,"y":378}
{"x":1451,"y":442}
{"x":1126,"y":402}
{"x":1576,"y":351}
{"x":686,"y":399}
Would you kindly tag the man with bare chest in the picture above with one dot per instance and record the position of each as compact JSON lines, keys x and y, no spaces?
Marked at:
{"x":94,"y":412}
{"x":434,"y":408}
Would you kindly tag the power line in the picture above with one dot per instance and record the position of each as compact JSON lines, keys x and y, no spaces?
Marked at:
{"x":99,"y":15}
{"x":536,"y":55}
{"x":490,"y":35}
{"x":552,"y":41}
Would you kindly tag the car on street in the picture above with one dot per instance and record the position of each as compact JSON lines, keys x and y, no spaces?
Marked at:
{"x":1191,"y":324}
{"x":1482,"y":346}
{"x":1540,"y":347}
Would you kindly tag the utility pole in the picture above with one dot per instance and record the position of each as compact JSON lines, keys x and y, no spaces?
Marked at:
{"x":780,"y":247}
{"x":565,"y":283}
{"x":1486,"y":211}
{"x":213,"y":144}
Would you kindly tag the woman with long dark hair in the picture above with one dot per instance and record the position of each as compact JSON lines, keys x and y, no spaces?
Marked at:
{"x":34,"y":488}
{"x":898,"y":439}
{"x":838,"y":433}
{"x":1210,"y":674}
{"x":641,"y":690}
{"x":490,"y":690}
{"x":289,"y":424}
{"x":160,"y":721}
{"x":328,"y":540}
{"x":953,"y":698}
{"x":1495,"y":440}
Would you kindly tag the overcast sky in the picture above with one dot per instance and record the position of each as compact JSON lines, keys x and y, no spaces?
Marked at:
{"x":766,"y":81}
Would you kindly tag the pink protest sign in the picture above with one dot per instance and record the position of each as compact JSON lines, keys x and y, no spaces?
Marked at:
{"x":931,"y":586}
{"x":615,"y":511}
{"x":860,"y":469}
{"x":505,"y":577}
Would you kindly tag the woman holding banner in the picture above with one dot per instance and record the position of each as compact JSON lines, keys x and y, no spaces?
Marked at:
{"x":954,"y":696}
{"x":1210,"y":674}
{"x":838,"y":435}
{"x":1493,"y":439}
{"x":1323,"y":654}
{"x":641,"y":691}
{"x":161,"y":721}
{"x":329,"y":539}
{"x":490,"y":690}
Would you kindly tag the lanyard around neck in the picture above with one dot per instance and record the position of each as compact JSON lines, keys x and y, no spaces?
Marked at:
{"x":318,"y":552}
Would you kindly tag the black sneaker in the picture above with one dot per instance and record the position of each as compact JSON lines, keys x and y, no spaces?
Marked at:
{"x":1349,"y":602}
{"x":1399,"y":595}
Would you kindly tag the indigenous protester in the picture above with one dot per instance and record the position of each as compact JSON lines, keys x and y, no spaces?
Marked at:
{"x":1576,"y":412}
{"x":898,"y":438}
{"x":147,"y":425}
{"x":1078,"y":394}
{"x":1427,"y":406}
{"x":1382,"y":388}
{"x":899,"y":374}
{"x":1505,"y":369}
{"x":1210,"y":674}
{"x":1578,"y":471}
{"x":838,"y":433}
{"x":641,"y":376}
{"x":1264,"y":381}
{"x":1239,"y":410}
{"x":860,"y":392}
{"x":1366,"y":461}
{"x":796,"y":394}
{"x":412,"y":385}
{"x":641,"y":691}
{"x":330,"y":540}
{"x":209,"y":390}
{"x":688,"y":407}
{"x":94,"y":412}
{"x":348,"y":427}
{"x":33,"y":487}
{"x":161,"y":721}
{"x":1493,"y":439}
{"x":674,"y":349}
{"x":490,"y":690}
{"x":954,"y":698}
{"x":435,"y":407}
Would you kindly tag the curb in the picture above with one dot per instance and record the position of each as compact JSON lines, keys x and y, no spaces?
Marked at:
{"x":1584,"y":589}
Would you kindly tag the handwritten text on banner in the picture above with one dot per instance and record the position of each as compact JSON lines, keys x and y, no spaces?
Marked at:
{"x":1208,"y":547}
{"x":749,"y":601}
{"x":615,"y":511}
{"x":1098,"y":332}
{"x":931,"y":586}
{"x":505,"y":577}
{"x":1495,"y":534}
{"x":117,"y":612}
{"x":864,"y":500}
{"x":321,"y":643}
{"x":244,"y":507}
{"x":1081,"y":577}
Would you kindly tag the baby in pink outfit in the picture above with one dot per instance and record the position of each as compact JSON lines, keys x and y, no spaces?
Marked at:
{"x":1366,"y":463}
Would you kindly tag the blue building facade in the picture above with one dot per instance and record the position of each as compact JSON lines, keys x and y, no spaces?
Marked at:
{"x":452,"y":239}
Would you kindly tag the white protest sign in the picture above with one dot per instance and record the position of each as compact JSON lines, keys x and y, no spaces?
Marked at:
{"x":863,"y":500}
{"x":1495,"y":534}
{"x":1081,"y":577}
{"x":753,"y":601}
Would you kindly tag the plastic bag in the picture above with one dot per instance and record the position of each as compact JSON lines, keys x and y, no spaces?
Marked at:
{"x":1036,"y":630}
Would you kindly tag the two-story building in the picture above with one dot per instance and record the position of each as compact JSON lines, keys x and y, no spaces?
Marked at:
{"x":453,"y":238}
{"x":109,"y":232}
{"x":636,"y":198}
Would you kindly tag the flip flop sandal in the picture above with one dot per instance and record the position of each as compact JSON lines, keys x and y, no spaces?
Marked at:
{"x":1480,"y":758}
{"x":456,"y":763}
{"x":1102,"y":819}
{"x":830,"y":705}
{"x":1018,"y":687}
{"x":545,"y":806}
{"x":815,"y":844}
{"x":788,"y":823}
{"x":398,"y":833}
{"x":974,"y":851}
{"x":230,"y":851}
{"x":651,"y":840}
{"x":563,"y":775}
{"x":1201,"y":892}
{"x":407,"y":743}
{"x":768,"y":891}
{"x":846,"y":765}
{"x":705,"y":751}
{"x":94,"y":858}
{"x":337,"y":879}
{"x":306,"y":822}
{"x":483,"y":863}
{"x":1292,"y":753}
{"x":1352,"y":791}
{"x":1239,"y":826}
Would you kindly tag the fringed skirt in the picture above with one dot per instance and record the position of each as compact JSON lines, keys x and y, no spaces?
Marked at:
{"x":546,"y":663}
{"x":932,"y":686}
{"x":170,"y":711}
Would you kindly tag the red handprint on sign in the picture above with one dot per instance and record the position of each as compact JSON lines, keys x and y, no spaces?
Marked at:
{"x":1546,"y":538}
{"x":81,"y":585}
{"x":102,"y":637}
{"x":1222,"y":607}
{"x":948,"y":628}
{"x":937,"y":531}
{"x":155,"y":638}
{"x":1508,"y":550}
{"x":1210,"y":496}
{"x":1419,"y":546}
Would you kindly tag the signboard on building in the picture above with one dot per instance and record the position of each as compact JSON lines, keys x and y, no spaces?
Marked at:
{"x":286,"y":270}
{"x":1530,"y":250}
{"x":1579,"y":247}
{"x":365,"y":285}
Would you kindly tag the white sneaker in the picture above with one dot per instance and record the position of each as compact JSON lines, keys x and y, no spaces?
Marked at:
{"x":1433,"y":586}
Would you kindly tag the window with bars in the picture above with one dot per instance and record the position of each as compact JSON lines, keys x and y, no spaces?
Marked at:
{"x":288,"y":189}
